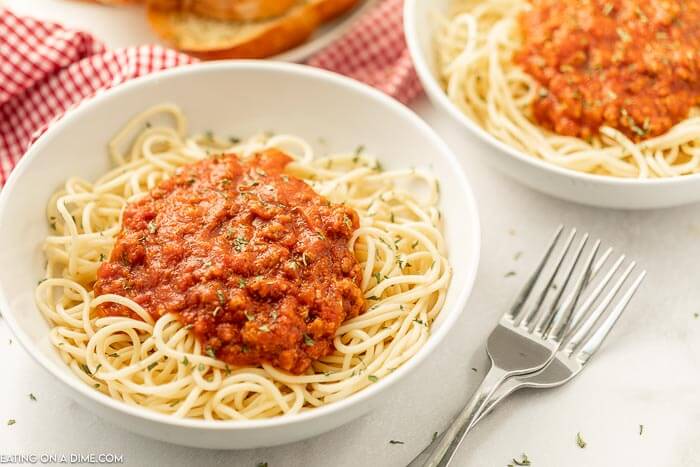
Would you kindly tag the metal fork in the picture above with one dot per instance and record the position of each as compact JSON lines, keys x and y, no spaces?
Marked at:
{"x":583,"y":341}
{"x":527,"y":336}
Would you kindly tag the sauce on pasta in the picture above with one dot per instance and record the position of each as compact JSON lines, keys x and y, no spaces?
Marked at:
{"x":632,"y":65}
{"x":254,"y":260}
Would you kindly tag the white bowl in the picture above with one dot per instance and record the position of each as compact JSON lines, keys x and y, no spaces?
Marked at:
{"x":238,"y":98}
{"x":579,"y":187}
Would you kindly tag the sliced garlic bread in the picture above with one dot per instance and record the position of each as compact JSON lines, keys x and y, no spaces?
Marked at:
{"x":237,"y":10}
{"x":215,"y":39}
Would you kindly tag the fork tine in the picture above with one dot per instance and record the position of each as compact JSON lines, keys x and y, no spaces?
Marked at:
{"x":593,"y":343}
{"x":532,"y":313}
{"x":525,"y":292}
{"x":580,"y":311}
{"x":599,"y":264}
{"x":587,"y":324}
{"x":558,"y":321}
{"x":572,"y":316}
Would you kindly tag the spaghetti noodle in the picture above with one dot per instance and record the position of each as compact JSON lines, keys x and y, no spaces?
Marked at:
{"x":477,"y":45}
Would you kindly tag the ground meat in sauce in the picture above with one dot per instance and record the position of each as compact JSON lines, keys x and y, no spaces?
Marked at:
{"x":255,"y":260}
{"x":630,"y":64}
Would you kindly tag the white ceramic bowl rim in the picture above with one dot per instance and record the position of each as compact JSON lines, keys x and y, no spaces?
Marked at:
{"x":428,"y":79}
{"x":357,"y":398}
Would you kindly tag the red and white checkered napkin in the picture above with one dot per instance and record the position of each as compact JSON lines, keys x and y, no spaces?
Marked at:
{"x":45,"y":69}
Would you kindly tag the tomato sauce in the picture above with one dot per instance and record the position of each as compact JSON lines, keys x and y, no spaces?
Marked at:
{"x":633,"y":65}
{"x":253,"y":259}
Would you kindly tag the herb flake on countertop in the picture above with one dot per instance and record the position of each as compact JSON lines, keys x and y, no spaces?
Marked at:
{"x":395,"y":441}
{"x":579,"y":440}
{"x":523,"y":460}
{"x":262,"y":464}
{"x":641,"y":430}
{"x":509,"y":274}
{"x":32,"y":397}
{"x":11,"y":421}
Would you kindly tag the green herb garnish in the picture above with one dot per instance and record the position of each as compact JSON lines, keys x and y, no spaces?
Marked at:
{"x":239,"y":243}
{"x":523,"y":461}
{"x":222,"y":298}
{"x":308,"y":340}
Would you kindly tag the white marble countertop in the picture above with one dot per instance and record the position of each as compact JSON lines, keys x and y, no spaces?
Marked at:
{"x":648,"y":373}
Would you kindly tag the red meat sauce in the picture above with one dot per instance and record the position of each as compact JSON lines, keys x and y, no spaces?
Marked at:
{"x":633,"y":65}
{"x":253,"y":259}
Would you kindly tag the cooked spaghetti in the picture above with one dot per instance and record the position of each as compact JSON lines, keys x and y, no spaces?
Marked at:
{"x":154,"y":339}
{"x":609,"y":87}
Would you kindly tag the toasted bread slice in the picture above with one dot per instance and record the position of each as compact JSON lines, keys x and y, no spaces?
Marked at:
{"x":215,"y":39}
{"x":112,"y":2}
{"x":237,"y":10}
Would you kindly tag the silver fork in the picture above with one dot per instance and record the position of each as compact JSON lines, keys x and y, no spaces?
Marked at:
{"x":527,"y":336}
{"x":583,"y":341}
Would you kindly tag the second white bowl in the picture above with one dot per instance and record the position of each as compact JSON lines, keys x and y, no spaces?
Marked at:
{"x":579,"y":187}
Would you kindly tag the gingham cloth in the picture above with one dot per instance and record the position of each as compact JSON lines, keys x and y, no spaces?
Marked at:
{"x":46,"y":69}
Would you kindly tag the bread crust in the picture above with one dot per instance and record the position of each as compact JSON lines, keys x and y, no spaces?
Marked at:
{"x":265,"y":39}
{"x":235,"y":10}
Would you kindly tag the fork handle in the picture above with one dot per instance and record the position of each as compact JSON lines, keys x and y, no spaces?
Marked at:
{"x":444,"y":451}
{"x":508,"y":387}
